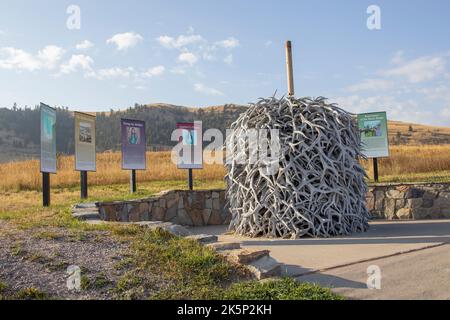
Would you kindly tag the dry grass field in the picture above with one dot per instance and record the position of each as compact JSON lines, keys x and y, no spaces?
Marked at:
{"x":25,"y":175}
{"x":407,"y":163}
{"x":403,"y":133}
{"x":414,"y":163}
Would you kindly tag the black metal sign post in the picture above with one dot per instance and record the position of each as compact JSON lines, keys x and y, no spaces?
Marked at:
{"x":46,"y":189}
{"x":190,"y":180}
{"x":375,"y":169}
{"x":84,"y":184}
{"x":133,"y":181}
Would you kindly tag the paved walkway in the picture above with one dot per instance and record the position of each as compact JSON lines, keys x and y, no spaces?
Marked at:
{"x":423,"y":274}
{"x":414,"y":257}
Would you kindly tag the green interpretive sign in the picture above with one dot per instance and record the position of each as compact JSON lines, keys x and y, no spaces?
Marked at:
{"x":374,"y":134}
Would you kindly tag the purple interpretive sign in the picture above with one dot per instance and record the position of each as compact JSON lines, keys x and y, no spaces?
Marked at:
{"x":134,"y":144}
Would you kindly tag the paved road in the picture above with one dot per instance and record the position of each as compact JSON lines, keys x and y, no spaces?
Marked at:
{"x":414,"y":258}
{"x":423,"y":274}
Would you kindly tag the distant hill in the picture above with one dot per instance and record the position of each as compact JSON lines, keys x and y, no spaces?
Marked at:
{"x":19,"y":128}
{"x":20,"y":131}
{"x":417,"y":134}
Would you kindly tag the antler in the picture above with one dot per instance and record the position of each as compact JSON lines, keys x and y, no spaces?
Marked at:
{"x":319,"y":189}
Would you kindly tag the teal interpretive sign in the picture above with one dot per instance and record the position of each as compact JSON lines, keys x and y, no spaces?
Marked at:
{"x":48,"y":139}
{"x":374,"y":134}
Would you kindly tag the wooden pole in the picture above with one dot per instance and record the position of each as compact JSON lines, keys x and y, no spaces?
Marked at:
{"x":84,"y":184}
{"x":46,"y":189}
{"x":289,"y":67}
{"x":133,"y":181}
{"x":375,"y":169}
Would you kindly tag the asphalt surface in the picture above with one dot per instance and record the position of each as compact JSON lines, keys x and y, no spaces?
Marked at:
{"x":424,"y":274}
{"x":413,"y":258}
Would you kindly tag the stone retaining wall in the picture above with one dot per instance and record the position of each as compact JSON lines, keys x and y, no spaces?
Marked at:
{"x":207,"y":207}
{"x":189,"y":208}
{"x":409,"y":201}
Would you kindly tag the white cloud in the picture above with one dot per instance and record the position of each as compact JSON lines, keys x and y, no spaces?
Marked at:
{"x":349,"y":103}
{"x":178,"y":70}
{"x":125,"y":73}
{"x":268,"y":43}
{"x":228,"y":59}
{"x":154,"y":72}
{"x":440,"y":92}
{"x":201,"y":88}
{"x":111,"y":73}
{"x":439,"y":95}
{"x":188,"y":57}
{"x":229,"y":43}
{"x":179,"y":42}
{"x":50,"y":56}
{"x":371,"y":85}
{"x":398,"y":57}
{"x":194,"y":47}
{"x":77,"y":62}
{"x":419,"y":70}
{"x":190,"y":30}
{"x":397,"y":109}
{"x":18,"y":59}
{"x":12,"y":58}
{"x":84,"y":45}
{"x":117,"y":72}
{"x":208,"y":53}
{"x":124,"y":41}
{"x":446,"y":112}
{"x":401,"y":90}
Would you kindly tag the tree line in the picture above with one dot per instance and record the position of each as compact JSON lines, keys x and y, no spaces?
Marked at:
{"x":24,"y":124}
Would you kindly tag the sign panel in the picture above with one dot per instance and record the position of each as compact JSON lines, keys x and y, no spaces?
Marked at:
{"x":134,"y":144}
{"x":374,"y":134}
{"x":191,"y":138}
{"x":84,"y":142}
{"x":48,"y":139}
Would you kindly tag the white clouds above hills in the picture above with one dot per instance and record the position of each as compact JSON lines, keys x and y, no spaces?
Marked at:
{"x":124,"y":41}
{"x":195,"y":47}
{"x":20,"y":60}
{"x":84,"y":45}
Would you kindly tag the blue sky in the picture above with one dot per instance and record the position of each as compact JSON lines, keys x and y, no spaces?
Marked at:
{"x":201,"y":53}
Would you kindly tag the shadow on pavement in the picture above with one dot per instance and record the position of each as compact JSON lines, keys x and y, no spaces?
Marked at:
{"x":321,"y":279}
{"x":385,"y":233}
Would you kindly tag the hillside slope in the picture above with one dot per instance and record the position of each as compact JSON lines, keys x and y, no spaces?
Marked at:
{"x":402,"y":133}
{"x":19,"y":129}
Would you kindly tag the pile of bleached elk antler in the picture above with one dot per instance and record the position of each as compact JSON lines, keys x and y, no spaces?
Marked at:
{"x":319,"y":188}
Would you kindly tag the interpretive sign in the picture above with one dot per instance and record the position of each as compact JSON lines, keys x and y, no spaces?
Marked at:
{"x":85,"y":158}
{"x":134,"y":144}
{"x":374,"y":134}
{"x":192,"y":147}
{"x":48,"y":139}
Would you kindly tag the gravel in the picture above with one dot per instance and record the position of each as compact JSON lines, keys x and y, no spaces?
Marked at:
{"x":39,"y":259}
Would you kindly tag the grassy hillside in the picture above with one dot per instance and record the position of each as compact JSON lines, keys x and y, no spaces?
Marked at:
{"x":13,"y":148}
{"x":402,"y":133}
{"x":19,"y":128}
{"x":20,"y":132}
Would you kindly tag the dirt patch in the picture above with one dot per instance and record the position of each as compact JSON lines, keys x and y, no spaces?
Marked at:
{"x":39,"y":259}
